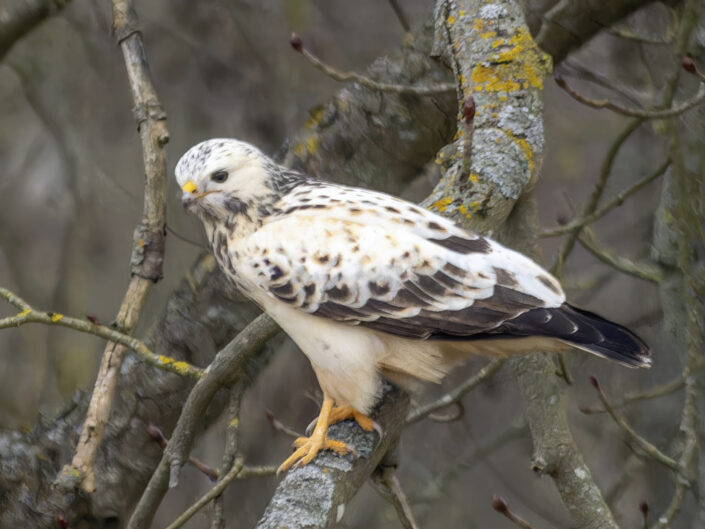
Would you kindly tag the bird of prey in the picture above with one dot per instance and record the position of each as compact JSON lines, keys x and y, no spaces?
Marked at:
{"x":368,"y":284}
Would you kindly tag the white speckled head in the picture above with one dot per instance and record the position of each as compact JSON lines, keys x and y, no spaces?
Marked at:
{"x":223,"y":177}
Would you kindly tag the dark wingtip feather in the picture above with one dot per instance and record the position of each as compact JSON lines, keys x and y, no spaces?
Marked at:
{"x":614,"y":341}
{"x":584,"y":330}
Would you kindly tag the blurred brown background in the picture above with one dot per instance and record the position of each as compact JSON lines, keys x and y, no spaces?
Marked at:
{"x":71,"y":182}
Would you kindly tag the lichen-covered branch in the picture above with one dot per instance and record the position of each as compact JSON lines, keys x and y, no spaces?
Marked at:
{"x":32,"y":315}
{"x":315,"y":496}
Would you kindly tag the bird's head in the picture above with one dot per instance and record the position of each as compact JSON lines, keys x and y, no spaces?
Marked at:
{"x":223,"y":178}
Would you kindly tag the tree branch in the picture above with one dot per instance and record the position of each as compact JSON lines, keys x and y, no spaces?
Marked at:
{"x":19,"y":17}
{"x":148,"y":249}
{"x":31,"y":315}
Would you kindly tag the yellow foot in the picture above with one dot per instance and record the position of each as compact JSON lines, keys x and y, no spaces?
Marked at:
{"x":340,"y":413}
{"x":308,"y":447}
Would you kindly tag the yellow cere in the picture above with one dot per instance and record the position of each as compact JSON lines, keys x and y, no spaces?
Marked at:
{"x":189,"y":187}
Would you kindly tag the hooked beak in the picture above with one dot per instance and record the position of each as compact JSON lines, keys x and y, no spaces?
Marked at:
{"x":190,"y":196}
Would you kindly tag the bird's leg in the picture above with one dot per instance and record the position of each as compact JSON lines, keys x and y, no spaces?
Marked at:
{"x":308,"y":447}
{"x":340,"y":413}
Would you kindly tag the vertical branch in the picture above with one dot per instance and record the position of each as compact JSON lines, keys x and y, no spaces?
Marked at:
{"x":498,"y":63}
{"x":148,"y":241}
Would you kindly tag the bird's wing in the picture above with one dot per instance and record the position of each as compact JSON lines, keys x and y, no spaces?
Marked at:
{"x":366,"y":258}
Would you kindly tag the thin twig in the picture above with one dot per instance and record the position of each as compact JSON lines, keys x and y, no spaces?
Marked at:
{"x":609,"y":205}
{"x":280,"y":426}
{"x":456,"y":393}
{"x":231,"y":452}
{"x":648,"y":271}
{"x":387,"y":482}
{"x":352,"y":77}
{"x":650,"y":449}
{"x":632,"y":112}
{"x":90,"y":326}
{"x":156,"y":433}
{"x":653,"y":393}
{"x":216,"y":491}
{"x":401,"y":16}
{"x":500,"y":505}
{"x":594,"y":199}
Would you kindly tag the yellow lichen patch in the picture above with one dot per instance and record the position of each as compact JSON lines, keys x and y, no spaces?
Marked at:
{"x":450,"y":20}
{"x":312,"y":145}
{"x":182,"y":368}
{"x":474,"y":205}
{"x":441,"y":204}
{"x":522,"y":65}
{"x":24,"y":313}
{"x":488,"y":35}
{"x":478,"y":24}
{"x":461,"y":13}
{"x":140,"y":243}
{"x":474,"y":178}
{"x":525,"y":147}
{"x":464,"y":211}
{"x":234,"y":422}
{"x":56,"y":317}
{"x":493,"y":79}
{"x":316,"y":115}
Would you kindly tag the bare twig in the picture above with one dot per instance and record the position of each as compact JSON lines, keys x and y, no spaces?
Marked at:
{"x":690,"y":67}
{"x":351,"y":77}
{"x":632,"y":112}
{"x":648,"y":271}
{"x":594,"y":199}
{"x":651,"y":450}
{"x":92,"y":326}
{"x":280,"y":426}
{"x":204,"y":500}
{"x":385,"y":477}
{"x":609,"y":205}
{"x":500,"y":505}
{"x":456,"y":393}
{"x":156,"y":433}
{"x":401,"y":16}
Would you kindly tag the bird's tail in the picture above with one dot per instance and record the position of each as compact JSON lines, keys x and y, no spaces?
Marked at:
{"x":584,"y":330}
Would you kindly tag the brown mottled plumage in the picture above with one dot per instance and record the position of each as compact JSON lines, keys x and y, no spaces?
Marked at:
{"x":366,"y":283}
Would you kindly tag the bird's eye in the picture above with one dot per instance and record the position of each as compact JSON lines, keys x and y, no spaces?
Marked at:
{"x":219,"y":176}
